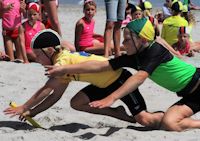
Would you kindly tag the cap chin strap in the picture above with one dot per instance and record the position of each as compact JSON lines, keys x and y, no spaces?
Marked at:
{"x":57,"y":48}
{"x":50,"y":58}
{"x":137,"y":50}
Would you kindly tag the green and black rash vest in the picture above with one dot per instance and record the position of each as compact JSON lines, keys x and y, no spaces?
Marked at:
{"x":163,"y":68}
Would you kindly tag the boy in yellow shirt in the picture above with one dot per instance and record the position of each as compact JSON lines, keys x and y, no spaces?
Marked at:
{"x":102,"y":84}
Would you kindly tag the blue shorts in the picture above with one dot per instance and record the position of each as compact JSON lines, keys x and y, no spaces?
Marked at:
{"x":115,"y":10}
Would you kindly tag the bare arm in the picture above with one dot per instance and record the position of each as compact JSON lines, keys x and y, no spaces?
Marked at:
{"x":85,"y":67}
{"x":50,"y":99}
{"x":78,"y":31}
{"x":42,"y":26}
{"x":130,"y":85}
{"x":168,"y":47}
{"x":42,"y":95}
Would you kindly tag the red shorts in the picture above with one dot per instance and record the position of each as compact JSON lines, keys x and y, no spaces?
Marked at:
{"x":99,"y":38}
{"x":82,"y":48}
{"x":14,"y":34}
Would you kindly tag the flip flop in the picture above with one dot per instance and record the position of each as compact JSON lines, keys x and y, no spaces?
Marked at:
{"x":18,"y":61}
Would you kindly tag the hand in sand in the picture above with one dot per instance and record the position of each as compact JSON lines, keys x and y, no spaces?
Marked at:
{"x":13,"y":111}
{"x":52,"y":71}
{"x":106,"y":102}
{"x":20,"y":110}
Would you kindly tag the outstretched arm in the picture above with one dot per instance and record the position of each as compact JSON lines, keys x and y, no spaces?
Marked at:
{"x":85,"y":67}
{"x":130,"y":85}
{"x":50,"y":99}
{"x":43,"y":94}
{"x":168,"y":47}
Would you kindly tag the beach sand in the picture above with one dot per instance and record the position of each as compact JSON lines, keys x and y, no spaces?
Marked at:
{"x":18,"y":82}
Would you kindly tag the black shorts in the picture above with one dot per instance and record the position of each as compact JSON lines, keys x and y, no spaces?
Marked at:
{"x":134,"y":100}
{"x":192,"y":100}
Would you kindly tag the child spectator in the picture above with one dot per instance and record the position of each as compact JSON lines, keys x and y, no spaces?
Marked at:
{"x":171,"y":24}
{"x":85,"y":38}
{"x":136,"y":12}
{"x":130,"y":9}
{"x":11,"y":20}
{"x":147,"y":6}
{"x":27,"y":3}
{"x":27,"y":31}
{"x":184,"y":44}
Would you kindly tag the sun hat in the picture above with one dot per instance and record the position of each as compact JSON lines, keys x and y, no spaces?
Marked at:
{"x":143,"y":28}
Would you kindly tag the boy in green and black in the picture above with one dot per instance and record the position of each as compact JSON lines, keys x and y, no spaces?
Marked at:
{"x":152,"y":60}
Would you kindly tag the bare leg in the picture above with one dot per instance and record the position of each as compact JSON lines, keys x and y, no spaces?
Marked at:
{"x":150,"y":119}
{"x":17,"y":48}
{"x":116,"y":38}
{"x":8,"y":45}
{"x":97,"y":48}
{"x":107,"y":37}
{"x":80,"y":102}
{"x":177,"y":118}
{"x":67,"y":45}
{"x":31,"y":56}
{"x":51,"y":7}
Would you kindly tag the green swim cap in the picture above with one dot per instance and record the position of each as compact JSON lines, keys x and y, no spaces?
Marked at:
{"x":143,"y":28}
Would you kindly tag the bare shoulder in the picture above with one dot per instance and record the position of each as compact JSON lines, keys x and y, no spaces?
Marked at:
{"x":80,"y":22}
{"x":42,"y":26}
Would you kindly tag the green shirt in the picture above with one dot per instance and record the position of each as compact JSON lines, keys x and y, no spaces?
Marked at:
{"x":173,"y":75}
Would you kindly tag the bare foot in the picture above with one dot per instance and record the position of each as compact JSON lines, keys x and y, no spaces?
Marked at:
{"x":4,"y":57}
{"x":157,"y":119}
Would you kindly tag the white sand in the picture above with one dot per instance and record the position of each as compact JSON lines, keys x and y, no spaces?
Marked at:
{"x":18,"y":82}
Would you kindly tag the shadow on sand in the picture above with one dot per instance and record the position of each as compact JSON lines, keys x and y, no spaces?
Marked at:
{"x":72,"y":128}
{"x":17,"y":125}
{"x":75,"y":127}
